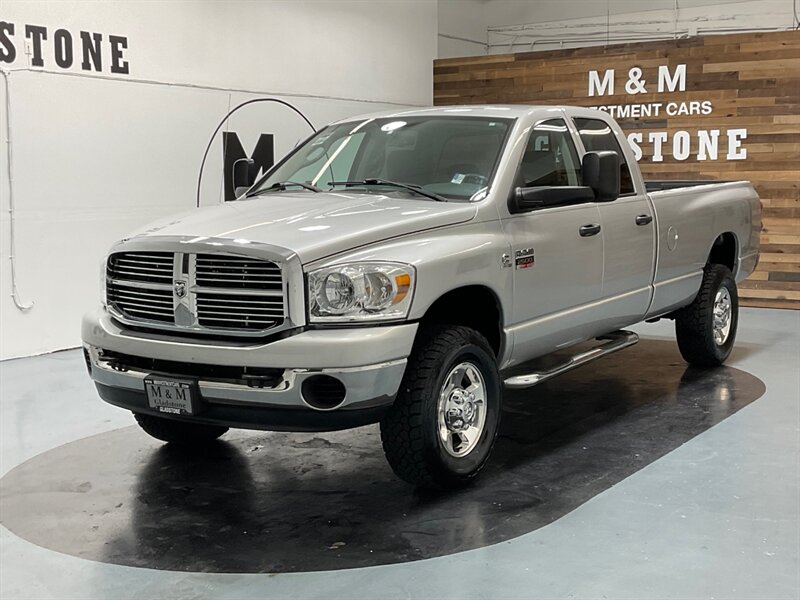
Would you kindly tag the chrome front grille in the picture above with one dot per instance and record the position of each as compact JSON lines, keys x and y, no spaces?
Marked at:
{"x":151,"y":267}
{"x":211,"y":293}
{"x":220,"y":271}
{"x":141,"y":303}
{"x":242,"y":312}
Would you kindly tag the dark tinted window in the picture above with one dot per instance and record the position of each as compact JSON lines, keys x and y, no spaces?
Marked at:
{"x":550,"y":157}
{"x":597,"y":136}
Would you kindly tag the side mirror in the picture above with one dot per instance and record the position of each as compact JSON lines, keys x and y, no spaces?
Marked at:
{"x":600,"y":172}
{"x":244,"y":175}
{"x":527,"y":199}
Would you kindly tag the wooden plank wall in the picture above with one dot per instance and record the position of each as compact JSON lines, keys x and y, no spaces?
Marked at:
{"x":752,"y":81}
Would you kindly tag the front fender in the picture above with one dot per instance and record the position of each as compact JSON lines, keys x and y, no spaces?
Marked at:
{"x":445,"y":259}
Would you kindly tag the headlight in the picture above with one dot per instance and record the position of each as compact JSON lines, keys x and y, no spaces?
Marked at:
{"x":360,"y":292}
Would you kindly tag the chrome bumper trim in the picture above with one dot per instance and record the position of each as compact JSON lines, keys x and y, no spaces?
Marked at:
{"x":367,"y":386}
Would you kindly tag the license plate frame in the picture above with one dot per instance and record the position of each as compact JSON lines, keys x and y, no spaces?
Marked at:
{"x":171,"y":395}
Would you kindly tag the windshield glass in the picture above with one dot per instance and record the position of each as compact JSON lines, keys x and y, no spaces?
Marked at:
{"x":453,"y":157}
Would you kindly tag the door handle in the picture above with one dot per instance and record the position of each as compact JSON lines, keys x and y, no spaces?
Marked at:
{"x":589,"y":230}
{"x":644,"y":219}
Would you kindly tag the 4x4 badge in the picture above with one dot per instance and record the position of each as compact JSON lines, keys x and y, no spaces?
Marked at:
{"x":180,"y":289}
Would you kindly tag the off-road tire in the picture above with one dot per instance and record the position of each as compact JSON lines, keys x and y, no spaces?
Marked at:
{"x":179,"y":432}
{"x":694,"y":324}
{"x":409,"y":431}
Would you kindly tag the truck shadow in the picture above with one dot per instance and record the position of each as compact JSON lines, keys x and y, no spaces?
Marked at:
{"x":284,"y":502}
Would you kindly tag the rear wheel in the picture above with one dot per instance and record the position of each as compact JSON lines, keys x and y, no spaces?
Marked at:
{"x":443,"y":424}
{"x":178,"y":432}
{"x":706,"y":329}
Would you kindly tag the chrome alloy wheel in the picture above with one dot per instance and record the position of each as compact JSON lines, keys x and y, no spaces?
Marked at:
{"x":722,"y":316}
{"x":462,"y":409}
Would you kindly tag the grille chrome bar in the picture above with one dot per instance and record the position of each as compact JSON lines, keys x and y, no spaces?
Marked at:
{"x":141,"y":284}
{"x":140,"y":295}
{"x":237,"y":292}
{"x":266,"y":303}
{"x":226,"y":316}
{"x":137,"y":269}
{"x":250,"y":319}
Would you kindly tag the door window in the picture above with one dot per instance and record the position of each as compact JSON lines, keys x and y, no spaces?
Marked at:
{"x":597,"y":136}
{"x":550,"y":157}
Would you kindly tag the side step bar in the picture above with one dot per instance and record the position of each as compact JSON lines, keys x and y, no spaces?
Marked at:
{"x":612,"y":342}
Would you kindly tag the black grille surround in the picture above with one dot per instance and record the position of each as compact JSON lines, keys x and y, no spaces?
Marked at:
{"x":220,"y":294}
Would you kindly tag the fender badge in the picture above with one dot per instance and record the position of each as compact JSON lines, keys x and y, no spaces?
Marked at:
{"x":524,"y":259}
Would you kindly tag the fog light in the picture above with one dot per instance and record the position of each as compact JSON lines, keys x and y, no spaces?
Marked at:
{"x":323,"y":392}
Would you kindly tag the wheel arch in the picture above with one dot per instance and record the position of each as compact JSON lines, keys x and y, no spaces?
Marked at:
{"x":475,"y":306}
{"x":725,"y":251}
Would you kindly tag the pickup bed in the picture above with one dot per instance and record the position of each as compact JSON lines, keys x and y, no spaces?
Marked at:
{"x":402,"y":268}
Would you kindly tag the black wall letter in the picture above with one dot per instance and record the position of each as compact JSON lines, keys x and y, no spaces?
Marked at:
{"x":118,"y":43}
{"x":7,"y":51}
{"x":263,"y":157}
{"x":36,"y":34}
{"x":62,"y":39}
{"x":91,"y":51}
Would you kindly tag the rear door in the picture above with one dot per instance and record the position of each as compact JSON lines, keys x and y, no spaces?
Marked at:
{"x":628,"y":234}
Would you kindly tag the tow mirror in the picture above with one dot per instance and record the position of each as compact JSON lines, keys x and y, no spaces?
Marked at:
{"x":600,"y":172}
{"x":244,"y":175}
{"x":531,"y":198}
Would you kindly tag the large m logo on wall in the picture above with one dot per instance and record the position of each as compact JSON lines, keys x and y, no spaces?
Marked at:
{"x":232,"y":150}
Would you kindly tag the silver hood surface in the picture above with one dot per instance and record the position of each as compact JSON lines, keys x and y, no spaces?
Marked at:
{"x":313,"y":225}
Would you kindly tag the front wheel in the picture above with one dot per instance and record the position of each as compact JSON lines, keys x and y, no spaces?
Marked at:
{"x":706,"y":329}
{"x":178,"y":432}
{"x":442,"y":426}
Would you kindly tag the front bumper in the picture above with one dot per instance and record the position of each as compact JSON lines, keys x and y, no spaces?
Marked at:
{"x":369,"y":362}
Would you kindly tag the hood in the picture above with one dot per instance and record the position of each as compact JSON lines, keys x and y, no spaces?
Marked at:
{"x":314,"y":225}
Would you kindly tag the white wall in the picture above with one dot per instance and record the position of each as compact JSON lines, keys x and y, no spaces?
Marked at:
{"x":475,"y":27}
{"x":462,"y":28}
{"x":98,"y":155}
{"x":552,"y":24}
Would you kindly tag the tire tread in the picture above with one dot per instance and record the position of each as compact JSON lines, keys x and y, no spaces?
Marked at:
{"x":402,"y":433}
{"x":695,"y":338}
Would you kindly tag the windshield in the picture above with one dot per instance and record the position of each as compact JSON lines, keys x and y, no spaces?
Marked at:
{"x":451,"y":157}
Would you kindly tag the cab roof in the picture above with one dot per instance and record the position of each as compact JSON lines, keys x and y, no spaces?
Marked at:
{"x":472,"y":110}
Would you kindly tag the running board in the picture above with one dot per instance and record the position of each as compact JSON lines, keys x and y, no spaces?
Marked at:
{"x":612,"y":342}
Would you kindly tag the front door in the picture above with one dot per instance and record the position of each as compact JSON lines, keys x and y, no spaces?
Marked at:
{"x":557,"y":252}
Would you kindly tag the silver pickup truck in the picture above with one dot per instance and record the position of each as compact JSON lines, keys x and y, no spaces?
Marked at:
{"x":402,"y":268}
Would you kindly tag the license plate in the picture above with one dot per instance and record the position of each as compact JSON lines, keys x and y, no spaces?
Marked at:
{"x":171,"y":396}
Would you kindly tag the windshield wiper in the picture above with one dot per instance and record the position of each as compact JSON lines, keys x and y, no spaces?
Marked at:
{"x":282,"y":185}
{"x":374,"y":181}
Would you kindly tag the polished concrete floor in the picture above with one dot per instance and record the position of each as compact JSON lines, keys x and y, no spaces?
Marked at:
{"x":634,"y":477}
